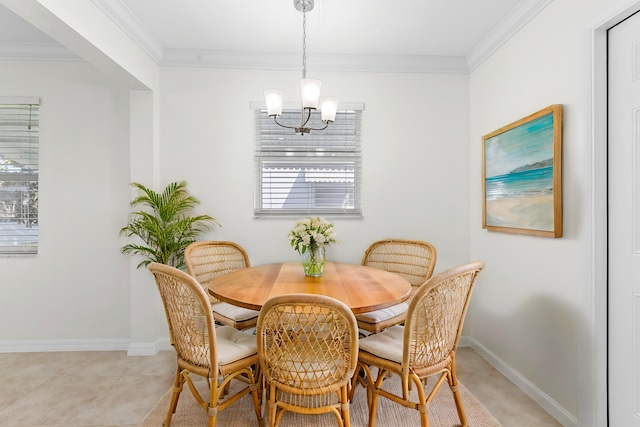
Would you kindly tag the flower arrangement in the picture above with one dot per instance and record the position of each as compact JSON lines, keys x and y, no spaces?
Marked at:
{"x":309,"y":237}
{"x":311,"y":233}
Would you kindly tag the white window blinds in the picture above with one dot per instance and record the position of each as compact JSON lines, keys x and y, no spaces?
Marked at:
{"x":317,"y":173}
{"x":19,"y":146}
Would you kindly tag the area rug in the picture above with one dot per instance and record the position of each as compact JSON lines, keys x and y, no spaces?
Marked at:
{"x":442,"y":411}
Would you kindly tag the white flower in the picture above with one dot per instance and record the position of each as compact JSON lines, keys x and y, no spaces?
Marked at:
{"x":310,"y":233}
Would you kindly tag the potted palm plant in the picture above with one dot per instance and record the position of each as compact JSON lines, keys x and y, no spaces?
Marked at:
{"x":163,"y":225}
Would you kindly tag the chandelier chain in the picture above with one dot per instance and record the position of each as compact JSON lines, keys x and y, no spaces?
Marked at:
{"x":304,"y":39}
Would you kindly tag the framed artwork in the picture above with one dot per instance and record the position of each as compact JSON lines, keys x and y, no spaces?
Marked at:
{"x":521,"y":175}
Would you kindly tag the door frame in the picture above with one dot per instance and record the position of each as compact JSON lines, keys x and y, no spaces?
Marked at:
{"x":593,"y":399}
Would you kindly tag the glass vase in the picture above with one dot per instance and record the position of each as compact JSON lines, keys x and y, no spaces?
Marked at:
{"x":313,"y":261}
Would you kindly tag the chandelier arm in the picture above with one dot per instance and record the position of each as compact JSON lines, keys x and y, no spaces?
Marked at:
{"x":326,"y":124}
{"x":275,"y":119}
{"x":304,"y":121}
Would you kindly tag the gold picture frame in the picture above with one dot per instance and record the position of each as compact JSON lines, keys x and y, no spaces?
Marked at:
{"x":521,"y":175}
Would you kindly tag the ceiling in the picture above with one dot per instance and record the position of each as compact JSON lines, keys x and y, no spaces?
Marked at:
{"x":270,"y":31}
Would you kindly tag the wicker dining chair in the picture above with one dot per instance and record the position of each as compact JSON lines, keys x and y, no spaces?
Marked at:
{"x":210,"y":259}
{"x":220,"y":355}
{"x":412,"y":259}
{"x":308,"y":348}
{"x":426,"y":345}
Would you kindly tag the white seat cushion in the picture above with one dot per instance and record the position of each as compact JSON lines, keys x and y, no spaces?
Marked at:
{"x":234,"y":345}
{"x":383,"y":314}
{"x":386,"y":344}
{"x":234,"y":312}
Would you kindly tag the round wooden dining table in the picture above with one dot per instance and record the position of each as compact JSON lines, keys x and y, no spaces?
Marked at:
{"x":361,"y":288}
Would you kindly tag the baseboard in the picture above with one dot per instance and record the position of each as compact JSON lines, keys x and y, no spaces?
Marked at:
{"x":32,"y":346}
{"x":540,"y":397}
{"x":132,"y":349}
{"x":464,"y":341}
{"x":149,"y":349}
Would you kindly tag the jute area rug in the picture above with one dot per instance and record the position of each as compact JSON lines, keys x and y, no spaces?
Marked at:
{"x":442,"y":411}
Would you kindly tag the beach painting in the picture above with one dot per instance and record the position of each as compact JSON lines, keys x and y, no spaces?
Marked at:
{"x":522,"y":185}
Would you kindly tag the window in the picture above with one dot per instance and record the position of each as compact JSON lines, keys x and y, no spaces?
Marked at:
{"x":318,"y":173}
{"x":19,"y":124}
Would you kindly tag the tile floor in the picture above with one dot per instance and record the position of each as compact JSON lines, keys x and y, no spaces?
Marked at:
{"x":111,"y":389}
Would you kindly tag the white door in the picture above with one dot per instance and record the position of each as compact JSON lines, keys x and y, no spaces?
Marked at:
{"x":624,"y":223}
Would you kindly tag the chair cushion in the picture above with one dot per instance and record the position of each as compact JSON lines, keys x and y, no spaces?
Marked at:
{"x":234,"y":345}
{"x":386,"y":344}
{"x":383,"y":314}
{"x":234,"y":312}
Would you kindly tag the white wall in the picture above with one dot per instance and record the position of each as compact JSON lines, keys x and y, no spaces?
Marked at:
{"x":527,"y":312}
{"x":533,"y":315}
{"x":80,"y":283}
{"x":534,"y":302}
{"x":76,"y":290}
{"x":415,"y":160}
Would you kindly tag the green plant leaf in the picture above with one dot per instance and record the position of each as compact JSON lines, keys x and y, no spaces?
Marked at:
{"x":162,"y":222}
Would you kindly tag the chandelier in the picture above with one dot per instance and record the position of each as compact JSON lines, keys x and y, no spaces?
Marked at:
{"x":309,"y":88}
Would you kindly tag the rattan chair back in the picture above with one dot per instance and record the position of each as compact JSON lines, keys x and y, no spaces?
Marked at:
{"x":436,"y":316}
{"x":193,"y":336}
{"x":191,"y":326}
{"x":414,"y":260}
{"x":308,"y":349}
{"x":210,"y":259}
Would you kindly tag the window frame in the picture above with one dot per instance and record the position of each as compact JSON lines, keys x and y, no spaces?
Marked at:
{"x":21,"y":146}
{"x":337,"y":159}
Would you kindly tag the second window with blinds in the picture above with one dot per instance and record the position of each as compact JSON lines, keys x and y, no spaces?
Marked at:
{"x":318,"y":173}
{"x":19,"y":166}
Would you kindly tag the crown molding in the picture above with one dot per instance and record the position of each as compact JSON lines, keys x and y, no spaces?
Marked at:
{"x":524,"y":12}
{"x":122,"y":16}
{"x":319,"y":62}
{"x":501,"y":33}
